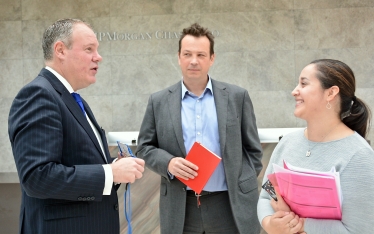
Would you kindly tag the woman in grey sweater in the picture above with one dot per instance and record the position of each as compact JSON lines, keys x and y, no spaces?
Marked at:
{"x":337,"y":123}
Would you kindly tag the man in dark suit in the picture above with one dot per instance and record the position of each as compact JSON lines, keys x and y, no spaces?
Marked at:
{"x":63,"y":162}
{"x":219,"y":116}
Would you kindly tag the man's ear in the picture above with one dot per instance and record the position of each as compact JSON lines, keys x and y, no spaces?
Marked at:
{"x":212,"y":57}
{"x":59,"y":49}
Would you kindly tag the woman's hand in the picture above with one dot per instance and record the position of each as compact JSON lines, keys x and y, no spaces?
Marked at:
{"x":282,"y":222}
{"x":294,"y":225}
{"x":278,"y":222}
{"x":280,"y":204}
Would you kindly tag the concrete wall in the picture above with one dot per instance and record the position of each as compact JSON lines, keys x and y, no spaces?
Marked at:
{"x":262,"y":46}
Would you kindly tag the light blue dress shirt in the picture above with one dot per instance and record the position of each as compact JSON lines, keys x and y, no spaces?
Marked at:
{"x":199,"y":123}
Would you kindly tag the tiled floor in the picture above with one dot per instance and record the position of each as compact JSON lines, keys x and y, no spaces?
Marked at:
{"x":144,"y":198}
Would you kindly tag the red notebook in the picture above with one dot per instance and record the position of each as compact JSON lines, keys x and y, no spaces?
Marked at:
{"x":206,"y":160}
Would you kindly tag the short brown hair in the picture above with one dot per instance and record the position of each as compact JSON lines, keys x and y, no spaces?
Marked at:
{"x":197,"y":31}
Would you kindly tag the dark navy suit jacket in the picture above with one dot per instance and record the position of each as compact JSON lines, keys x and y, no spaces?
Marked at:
{"x":59,"y":162}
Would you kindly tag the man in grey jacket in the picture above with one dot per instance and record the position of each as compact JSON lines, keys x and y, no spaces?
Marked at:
{"x":218,"y":115}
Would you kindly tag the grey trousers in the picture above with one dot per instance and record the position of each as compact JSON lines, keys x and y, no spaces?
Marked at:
{"x":214,"y":215}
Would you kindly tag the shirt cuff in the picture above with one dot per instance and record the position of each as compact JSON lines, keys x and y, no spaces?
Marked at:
{"x":108,"y":179}
{"x":171,"y":176}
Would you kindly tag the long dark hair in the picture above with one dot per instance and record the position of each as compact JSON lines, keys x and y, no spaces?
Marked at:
{"x":353,"y":111}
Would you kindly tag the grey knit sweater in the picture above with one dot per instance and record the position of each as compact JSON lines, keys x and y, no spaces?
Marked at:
{"x":353,"y":157}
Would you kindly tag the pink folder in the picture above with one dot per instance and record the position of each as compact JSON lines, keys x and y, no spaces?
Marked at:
{"x":310,"y":194}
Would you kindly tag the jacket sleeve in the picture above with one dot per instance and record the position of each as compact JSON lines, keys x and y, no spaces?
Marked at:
{"x":148,"y":149}
{"x":251,"y":142}
{"x":37,"y":131}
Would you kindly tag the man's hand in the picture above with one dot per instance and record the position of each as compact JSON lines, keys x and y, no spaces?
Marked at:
{"x":182,"y":168}
{"x":127,"y":170}
{"x":119,"y":156}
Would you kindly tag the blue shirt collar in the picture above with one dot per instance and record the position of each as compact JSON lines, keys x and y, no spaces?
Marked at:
{"x":208,"y":87}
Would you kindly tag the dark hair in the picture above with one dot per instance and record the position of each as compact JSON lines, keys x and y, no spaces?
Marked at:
{"x":353,"y":111}
{"x":61,"y":30}
{"x":197,"y":31}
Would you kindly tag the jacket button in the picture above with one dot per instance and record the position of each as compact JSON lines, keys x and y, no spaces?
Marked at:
{"x":92,"y":198}
{"x":79,"y":198}
{"x":84,"y":199}
{"x":116,"y":206}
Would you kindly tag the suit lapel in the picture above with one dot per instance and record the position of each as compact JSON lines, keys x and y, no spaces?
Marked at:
{"x":174,"y":100}
{"x":221,"y":98}
{"x":100,"y":130}
{"x":77,"y":113}
{"x":74,"y":108}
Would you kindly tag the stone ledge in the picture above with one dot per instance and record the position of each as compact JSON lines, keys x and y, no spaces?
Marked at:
{"x":9,"y":177}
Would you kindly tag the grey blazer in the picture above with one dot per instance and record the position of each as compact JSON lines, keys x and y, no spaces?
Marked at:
{"x":58,"y":160}
{"x":161,"y":139}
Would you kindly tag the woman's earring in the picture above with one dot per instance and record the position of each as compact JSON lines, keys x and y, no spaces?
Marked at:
{"x":328,"y":106}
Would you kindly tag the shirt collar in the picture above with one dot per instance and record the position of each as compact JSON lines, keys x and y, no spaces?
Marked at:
{"x":208,"y":87}
{"x":62,"y":79}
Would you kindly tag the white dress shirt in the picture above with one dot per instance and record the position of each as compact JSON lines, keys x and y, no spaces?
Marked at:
{"x":107,"y":169}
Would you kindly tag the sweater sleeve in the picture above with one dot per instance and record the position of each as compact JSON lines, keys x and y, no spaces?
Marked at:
{"x":263,"y":205}
{"x":357,"y":208}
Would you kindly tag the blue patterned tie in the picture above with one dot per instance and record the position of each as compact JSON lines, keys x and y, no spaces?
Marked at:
{"x":78,"y":99}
